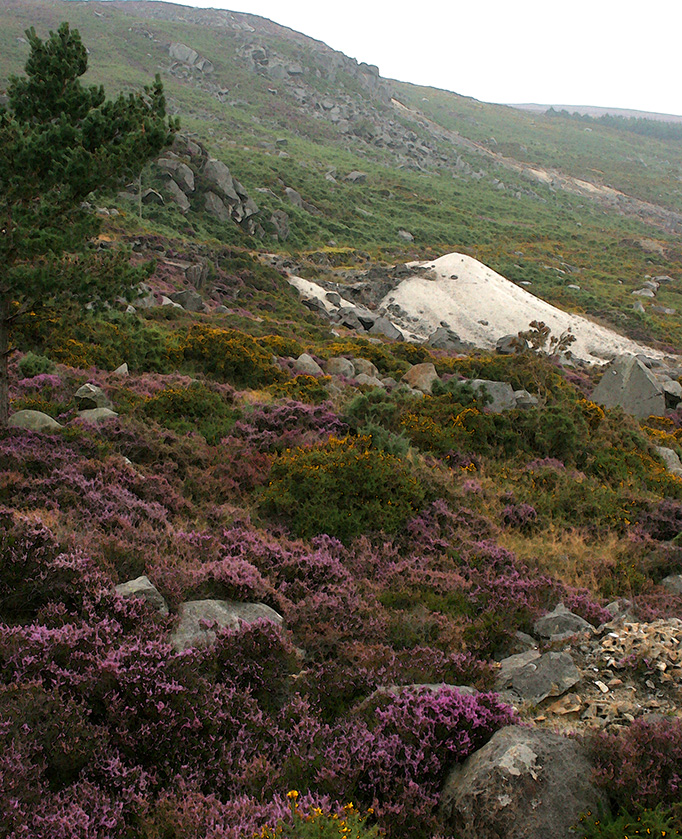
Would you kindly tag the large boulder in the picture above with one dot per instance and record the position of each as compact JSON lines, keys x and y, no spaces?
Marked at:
{"x":183,"y":53}
{"x":177,"y":196}
{"x":363,"y":365}
{"x":383,"y":326}
{"x":215,"y":207}
{"x":180,"y":172}
{"x":32,"y":421}
{"x":525,"y":783}
{"x":201,"y":619}
{"x":531,"y":677}
{"x":340,"y":366}
{"x":91,"y":396}
{"x":629,"y":384}
{"x":501,"y":394}
{"x":307,"y":365}
{"x":421,"y":377}
{"x":560,"y":621}
{"x":218,"y":175}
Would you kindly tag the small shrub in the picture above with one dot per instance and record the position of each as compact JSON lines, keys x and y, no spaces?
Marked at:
{"x":316,"y":823}
{"x":342,"y":488}
{"x":654,"y":824}
{"x":304,"y":388}
{"x":193,"y":408}
{"x":35,"y":365}
{"x":231,"y":356}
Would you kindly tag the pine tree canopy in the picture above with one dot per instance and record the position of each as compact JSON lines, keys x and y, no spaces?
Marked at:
{"x":60,"y":141}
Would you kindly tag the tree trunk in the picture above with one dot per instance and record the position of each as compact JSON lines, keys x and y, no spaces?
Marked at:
{"x":4,"y":361}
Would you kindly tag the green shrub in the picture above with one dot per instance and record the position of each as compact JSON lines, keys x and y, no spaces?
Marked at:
{"x":317,"y":823}
{"x":343,"y":488}
{"x":193,"y":408}
{"x":231,"y":356}
{"x":654,"y":824}
{"x":35,"y":365}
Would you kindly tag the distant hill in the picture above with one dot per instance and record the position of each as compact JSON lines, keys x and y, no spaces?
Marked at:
{"x":593,"y":111}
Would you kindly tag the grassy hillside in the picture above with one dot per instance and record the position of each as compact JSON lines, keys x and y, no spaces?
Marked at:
{"x":409,"y":541}
{"x":494,"y":182}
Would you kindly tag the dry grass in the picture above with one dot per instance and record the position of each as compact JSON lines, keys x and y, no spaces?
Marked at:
{"x":570,"y":556}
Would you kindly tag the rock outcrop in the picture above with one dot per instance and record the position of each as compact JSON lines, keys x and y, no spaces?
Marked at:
{"x":200,"y":619}
{"x":629,"y":384}
{"x":525,"y":783}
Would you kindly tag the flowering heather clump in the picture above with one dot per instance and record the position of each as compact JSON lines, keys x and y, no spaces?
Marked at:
{"x":662,"y":521}
{"x":640,"y":766}
{"x":285,"y":426}
{"x":519,"y":517}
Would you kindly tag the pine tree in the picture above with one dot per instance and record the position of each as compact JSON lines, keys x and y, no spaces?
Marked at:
{"x":59,"y":142}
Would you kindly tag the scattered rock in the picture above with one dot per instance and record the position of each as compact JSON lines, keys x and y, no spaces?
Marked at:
{"x":280,"y":221}
{"x":421,"y":377}
{"x":189,"y":299}
{"x":560,"y":622}
{"x":143,"y":589}
{"x":97,"y":415}
{"x":91,"y":396}
{"x":307,"y":365}
{"x":370,"y":381}
{"x":525,"y":783}
{"x":32,"y":421}
{"x":628,"y":383}
{"x":525,"y":400}
{"x":201,"y":619}
{"x":531,"y":677}
{"x":356,"y":177}
{"x":673,"y":583}
{"x":293,"y":196}
{"x":405,"y":235}
{"x":121,"y":370}
{"x":510,"y":345}
{"x":671,"y":460}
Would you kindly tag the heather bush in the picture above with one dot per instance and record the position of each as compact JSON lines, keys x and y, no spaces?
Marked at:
{"x":36,"y":572}
{"x":278,"y":427}
{"x":640,"y":767}
{"x":342,"y":488}
{"x":662,"y":520}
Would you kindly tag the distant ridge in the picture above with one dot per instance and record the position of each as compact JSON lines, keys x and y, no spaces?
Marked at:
{"x":593,"y":111}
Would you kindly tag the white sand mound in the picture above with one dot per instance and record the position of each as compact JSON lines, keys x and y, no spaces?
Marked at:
{"x":482,"y":306}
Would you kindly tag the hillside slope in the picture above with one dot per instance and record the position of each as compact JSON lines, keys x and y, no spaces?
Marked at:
{"x":535,"y":197}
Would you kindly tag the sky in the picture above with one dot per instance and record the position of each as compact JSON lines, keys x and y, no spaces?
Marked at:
{"x":601,"y":52}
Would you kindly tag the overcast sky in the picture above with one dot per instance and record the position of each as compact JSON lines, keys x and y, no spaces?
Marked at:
{"x":582,"y":52}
